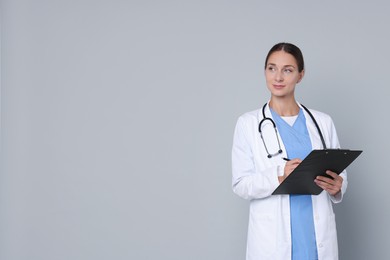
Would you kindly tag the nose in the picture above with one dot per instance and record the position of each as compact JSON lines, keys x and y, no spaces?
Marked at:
{"x":279,"y":76}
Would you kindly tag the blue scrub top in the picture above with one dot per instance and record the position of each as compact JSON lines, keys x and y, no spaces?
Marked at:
{"x":297,"y":142}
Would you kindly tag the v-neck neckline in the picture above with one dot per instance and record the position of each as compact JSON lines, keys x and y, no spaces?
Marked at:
{"x":280,"y":118}
{"x":290,"y":119}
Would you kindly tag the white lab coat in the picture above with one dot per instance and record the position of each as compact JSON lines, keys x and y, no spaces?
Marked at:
{"x":255,"y":177}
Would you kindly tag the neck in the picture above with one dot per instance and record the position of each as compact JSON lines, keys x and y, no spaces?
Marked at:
{"x":284,"y":107}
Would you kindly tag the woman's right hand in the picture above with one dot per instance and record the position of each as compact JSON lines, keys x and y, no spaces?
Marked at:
{"x":289,"y":168}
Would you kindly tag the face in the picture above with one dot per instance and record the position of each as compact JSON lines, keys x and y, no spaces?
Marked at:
{"x":282,"y":74}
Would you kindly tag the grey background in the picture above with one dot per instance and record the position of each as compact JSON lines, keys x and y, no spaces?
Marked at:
{"x":117,"y":120}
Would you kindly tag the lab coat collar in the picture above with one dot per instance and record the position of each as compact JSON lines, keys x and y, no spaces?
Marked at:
{"x":313,"y":132}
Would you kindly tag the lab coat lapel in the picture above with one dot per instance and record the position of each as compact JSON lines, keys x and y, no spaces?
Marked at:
{"x":313,"y":132}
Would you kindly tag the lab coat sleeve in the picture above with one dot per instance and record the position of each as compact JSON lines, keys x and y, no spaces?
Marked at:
{"x":247,"y":182}
{"x":335,"y":144}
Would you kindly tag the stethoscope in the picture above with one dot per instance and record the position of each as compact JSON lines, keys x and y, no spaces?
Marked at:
{"x":269,"y":155}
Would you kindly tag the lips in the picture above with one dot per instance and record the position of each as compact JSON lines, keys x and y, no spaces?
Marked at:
{"x":278,"y":86}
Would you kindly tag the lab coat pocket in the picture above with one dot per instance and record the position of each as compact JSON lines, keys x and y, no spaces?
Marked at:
{"x":262,"y":234}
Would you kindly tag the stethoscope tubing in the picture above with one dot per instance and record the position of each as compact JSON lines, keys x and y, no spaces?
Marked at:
{"x":276,"y":132}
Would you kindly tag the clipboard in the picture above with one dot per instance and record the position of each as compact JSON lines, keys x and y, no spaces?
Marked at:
{"x":301,"y":180}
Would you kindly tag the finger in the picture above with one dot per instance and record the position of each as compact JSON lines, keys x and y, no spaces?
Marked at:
{"x":323,"y":184}
{"x":337,"y":178}
{"x":329,"y":187}
{"x":326,"y":179}
{"x":332,"y":174}
{"x":295,"y":161}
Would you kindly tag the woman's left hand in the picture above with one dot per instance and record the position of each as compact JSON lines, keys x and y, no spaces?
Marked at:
{"x":332,"y":186}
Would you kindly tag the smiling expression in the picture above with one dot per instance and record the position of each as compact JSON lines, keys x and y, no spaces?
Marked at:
{"x":282,"y":74}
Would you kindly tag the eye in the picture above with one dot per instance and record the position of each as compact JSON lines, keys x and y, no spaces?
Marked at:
{"x":287,"y":71}
{"x":271,"y":68}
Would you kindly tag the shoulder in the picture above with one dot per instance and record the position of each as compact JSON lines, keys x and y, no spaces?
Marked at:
{"x":248,"y":121}
{"x":249,"y":118}
{"x":321,"y":116}
{"x":324,"y":121}
{"x":251,"y":115}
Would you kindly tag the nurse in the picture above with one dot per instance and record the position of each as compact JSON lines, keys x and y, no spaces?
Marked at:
{"x":298,"y":227}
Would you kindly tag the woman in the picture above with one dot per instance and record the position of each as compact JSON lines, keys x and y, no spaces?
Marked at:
{"x":285,"y":226}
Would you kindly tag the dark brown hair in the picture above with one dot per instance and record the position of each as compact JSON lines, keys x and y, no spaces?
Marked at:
{"x":291,"y":49}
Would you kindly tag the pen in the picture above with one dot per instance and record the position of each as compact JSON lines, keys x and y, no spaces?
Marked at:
{"x":286,"y":159}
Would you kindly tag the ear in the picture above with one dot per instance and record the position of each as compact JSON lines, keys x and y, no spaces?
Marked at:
{"x":301,"y":74}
